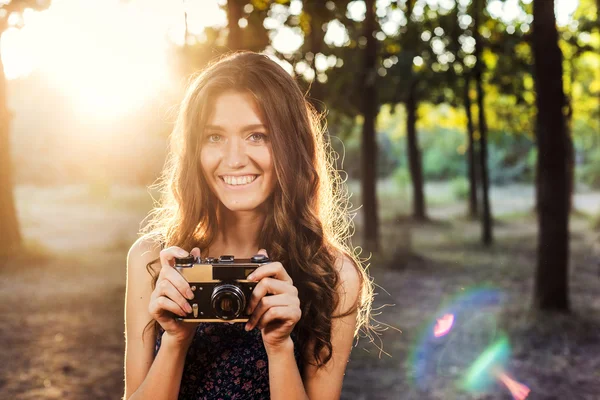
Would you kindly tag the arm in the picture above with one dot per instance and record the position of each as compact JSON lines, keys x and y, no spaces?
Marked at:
{"x":285,"y":381}
{"x":326,"y":382}
{"x":146,"y":377}
{"x":164,"y":377}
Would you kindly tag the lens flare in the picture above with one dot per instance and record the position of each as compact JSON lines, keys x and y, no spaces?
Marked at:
{"x":518,"y":390}
{"x":464,"y":347}
{"x":443,"y":325}
{"x":489,"y":367}
{"x":481,"y":373}
{"x":449,"y":343}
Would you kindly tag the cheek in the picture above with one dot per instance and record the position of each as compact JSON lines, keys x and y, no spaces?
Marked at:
{"x":269,"y":168}
{"x":266,"y":161}
{"x":209,"y":163}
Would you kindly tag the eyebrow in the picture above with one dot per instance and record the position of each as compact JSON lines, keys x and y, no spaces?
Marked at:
{"x":245,"y":128}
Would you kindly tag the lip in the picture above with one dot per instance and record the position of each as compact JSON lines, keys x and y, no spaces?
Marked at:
{"x":238,"y":187}
{"x":237,"y":175}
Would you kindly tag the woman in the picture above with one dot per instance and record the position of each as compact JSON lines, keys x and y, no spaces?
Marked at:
{"x":248,"y":173}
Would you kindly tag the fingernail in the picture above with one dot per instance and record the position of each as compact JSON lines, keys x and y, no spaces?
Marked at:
{"x":251,"y":277}
{"x":247,"y":327}
{"x":182,"y":253}
{"x":189,"y":294}
{"x":188,"y":308}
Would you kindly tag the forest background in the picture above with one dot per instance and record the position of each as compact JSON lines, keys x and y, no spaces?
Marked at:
{"x":468,"y":134}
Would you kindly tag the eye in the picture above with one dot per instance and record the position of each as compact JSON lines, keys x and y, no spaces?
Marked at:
{"x":257,"y":137}
{"x":213,"y":138}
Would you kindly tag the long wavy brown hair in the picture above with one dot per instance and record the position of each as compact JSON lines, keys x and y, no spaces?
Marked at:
{"x":307,"y":226}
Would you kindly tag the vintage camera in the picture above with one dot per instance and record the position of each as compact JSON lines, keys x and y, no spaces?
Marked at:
{"x":220,"y":285}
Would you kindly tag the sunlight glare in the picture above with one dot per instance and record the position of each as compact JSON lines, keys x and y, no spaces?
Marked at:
{"x":108,"y":57}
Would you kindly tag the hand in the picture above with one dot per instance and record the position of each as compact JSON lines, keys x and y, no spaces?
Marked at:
{"x":275,"y":315}
{"x":170,"y":297}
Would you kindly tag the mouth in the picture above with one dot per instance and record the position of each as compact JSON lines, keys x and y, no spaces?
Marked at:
{"x":238,"y":181}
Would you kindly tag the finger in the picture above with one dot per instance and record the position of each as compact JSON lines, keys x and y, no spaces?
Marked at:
{"x":273,"y":269}
{"x":280,"y":300}
{"x":168,"y":255}
{"x":195,"y":252}
{"x":269,"y":286}
{"x":173,"y":276}
{"x":166,"y":288}
{"x":162,"y":304}
{"x":288,"y":315}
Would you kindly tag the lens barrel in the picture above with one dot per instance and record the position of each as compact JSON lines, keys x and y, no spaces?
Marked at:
{"x":228,"y":301}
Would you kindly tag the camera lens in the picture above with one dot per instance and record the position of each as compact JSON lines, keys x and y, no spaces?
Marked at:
{"x":228,"y":301}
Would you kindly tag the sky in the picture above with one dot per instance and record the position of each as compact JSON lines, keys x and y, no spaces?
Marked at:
{"x":71,"y":45}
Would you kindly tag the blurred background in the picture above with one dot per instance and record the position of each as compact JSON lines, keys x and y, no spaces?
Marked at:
{"x":468,"y":134}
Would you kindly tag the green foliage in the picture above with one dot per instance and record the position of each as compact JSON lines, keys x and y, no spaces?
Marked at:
{"x":459,"y":187}
{"x":500,"y":172}
{"x":443,"y":156}
{"x":589,"y":172}
{"x":350,"y":152}
{"x":531,"y":163}
{"x":402,"y":179}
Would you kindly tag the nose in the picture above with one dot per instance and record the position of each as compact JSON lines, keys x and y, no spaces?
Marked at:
{"x":235,"y":154}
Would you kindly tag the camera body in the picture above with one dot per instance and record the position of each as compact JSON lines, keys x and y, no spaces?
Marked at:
{"x":220,"y":285}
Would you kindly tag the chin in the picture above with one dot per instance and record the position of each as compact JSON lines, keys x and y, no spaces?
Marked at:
{"x":240,"y":206}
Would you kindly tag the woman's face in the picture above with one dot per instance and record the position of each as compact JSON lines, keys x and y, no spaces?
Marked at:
{"x":236,"y":154}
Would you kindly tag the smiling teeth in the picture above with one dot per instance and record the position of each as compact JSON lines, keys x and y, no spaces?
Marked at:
{"x":238,"y":180}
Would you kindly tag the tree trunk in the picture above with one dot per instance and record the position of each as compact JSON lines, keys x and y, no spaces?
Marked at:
{"x":234,"y":14}
{"x":471,"y":163}
{"x":486,"y":221}
{"x":551,"y":281}
{"x":10,"y":235}
{"x":537,"y":169}
{"x":369,"y":144}
{"x":414,"y":154}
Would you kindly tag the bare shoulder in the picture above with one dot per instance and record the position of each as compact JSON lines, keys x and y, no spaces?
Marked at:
{"x":145,"y":250}
{"x":350,"y":282}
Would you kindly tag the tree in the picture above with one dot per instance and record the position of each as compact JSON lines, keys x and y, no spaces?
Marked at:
{"x":486,"y":220}
{"x":313,"y":22}
{"x":471,"y":153}
{"x":235,"y":9}
{"x":253,"y":36}
{"x":10,"y":234}
{"x":316,"y":16}
{"x":411,"y":102}
{"x":551,"y":280}
{"x":461,"y":73}
{"x":370,"y":109}
{"x":408,"y":81}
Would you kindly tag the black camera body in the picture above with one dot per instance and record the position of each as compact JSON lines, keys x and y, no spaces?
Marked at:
{"x":220,"y":285}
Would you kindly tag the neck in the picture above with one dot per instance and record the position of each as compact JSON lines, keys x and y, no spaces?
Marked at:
{"x":238,"y":233}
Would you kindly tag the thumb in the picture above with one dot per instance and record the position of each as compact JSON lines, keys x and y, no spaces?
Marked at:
{"x":263,"y":251}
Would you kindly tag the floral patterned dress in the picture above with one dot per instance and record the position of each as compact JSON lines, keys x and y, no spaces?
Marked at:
{"x":226,"y":362}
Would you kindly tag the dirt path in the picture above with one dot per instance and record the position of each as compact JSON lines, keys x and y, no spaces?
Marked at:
{"x":62,"y":313}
